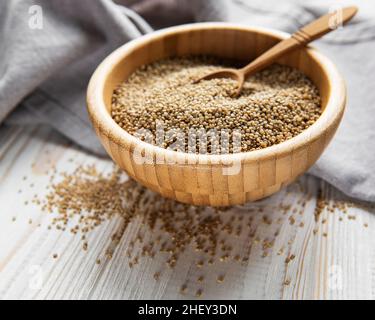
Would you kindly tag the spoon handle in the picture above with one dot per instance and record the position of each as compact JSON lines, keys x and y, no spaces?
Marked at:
{"x":303,"y":36}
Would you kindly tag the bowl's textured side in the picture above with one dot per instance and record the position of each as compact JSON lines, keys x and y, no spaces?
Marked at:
{"x":203,"y":180}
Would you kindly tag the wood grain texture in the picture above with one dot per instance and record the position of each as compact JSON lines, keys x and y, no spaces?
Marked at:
{"x":334,"y":254}
{"x":261,"y":172}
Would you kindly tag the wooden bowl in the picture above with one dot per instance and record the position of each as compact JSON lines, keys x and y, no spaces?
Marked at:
{"x":215,"y":180}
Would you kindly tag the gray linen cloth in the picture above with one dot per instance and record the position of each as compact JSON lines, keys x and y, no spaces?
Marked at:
{"x":44,"y":71}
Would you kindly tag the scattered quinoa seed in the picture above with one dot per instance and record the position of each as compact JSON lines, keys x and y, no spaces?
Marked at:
{"x":157,"y":276}
{"x":183,"y":288}
{"x":220,"y":279}
{"x":199,"y":293}
{"x":200,"y":264}
{"x":290,"y":258}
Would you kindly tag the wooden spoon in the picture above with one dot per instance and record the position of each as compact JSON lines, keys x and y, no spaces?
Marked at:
{"x":303,"y":36}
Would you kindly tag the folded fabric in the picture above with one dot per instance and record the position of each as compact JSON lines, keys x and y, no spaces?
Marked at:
{"x":51,"y":66}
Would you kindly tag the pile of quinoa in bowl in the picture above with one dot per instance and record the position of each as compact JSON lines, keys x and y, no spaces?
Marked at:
{"x":275,"y":104}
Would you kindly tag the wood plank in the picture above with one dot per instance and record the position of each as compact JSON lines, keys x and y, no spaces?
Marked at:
{"x":334,"y":254}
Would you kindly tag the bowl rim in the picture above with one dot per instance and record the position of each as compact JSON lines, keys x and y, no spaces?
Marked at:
{"x":102,"y":119}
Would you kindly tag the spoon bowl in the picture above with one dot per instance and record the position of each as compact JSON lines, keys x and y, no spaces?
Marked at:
{"x":228,"y":73}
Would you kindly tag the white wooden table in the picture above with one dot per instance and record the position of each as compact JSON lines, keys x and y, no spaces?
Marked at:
{"x":334,"y":251}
